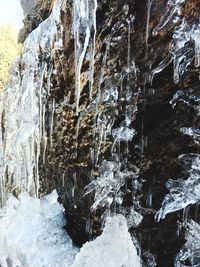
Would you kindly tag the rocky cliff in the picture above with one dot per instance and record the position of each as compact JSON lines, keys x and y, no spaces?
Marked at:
{"x":122,"y":118}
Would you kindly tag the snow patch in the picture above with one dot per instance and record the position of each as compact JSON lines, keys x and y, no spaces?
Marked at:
{"x":114,"y":248}
{"x":32,"y":234}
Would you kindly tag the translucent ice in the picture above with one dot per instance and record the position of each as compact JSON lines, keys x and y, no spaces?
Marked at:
{"x":107,"y":186}
{"x":189,"y":255}
{"x":22,"y":108}
{"x":84,"y":23}
{"x":182,"y":192}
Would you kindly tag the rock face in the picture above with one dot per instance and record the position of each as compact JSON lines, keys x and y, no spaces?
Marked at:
{"x":115,"y":116}
{"x":27,"y":5}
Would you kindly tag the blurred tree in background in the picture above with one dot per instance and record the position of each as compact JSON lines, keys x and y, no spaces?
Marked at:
{"x":9,"y":49}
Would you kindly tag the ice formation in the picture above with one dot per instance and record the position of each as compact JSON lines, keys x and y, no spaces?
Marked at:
{"x":182,"y":192}
{"x":114,"y":248}
{"x":107,"y":186}
{"x":189,"y":255}
{"x":180,"y":52}
{"x":84,"y":29}
{"x":32,"y":234}
{"x":173,"y":7}
{"x":22,"y":108}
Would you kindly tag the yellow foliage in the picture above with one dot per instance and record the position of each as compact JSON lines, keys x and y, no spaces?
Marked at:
{"x":9,"y":49}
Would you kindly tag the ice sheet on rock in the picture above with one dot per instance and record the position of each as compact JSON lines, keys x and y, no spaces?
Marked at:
{"x":180,"y":50}
{"x":182,"y":192}
{"x":107,"y":186}
{"x":32,"y":234}
{"x":22,"y":108}
{"x":114,"y":248}
{"x":189,"y":255}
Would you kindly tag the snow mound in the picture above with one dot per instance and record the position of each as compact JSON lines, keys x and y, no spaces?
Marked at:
{"x":114,"y":248}
{"x":32,"y":234}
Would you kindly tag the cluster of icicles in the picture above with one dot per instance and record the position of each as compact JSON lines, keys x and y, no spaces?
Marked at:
{"x":22,"y":109}
{"x":183,"y":193}
{"x":32,"y":229}
{"x":22,"y":103}
{"x":180,"y":53}
{"x":22,"y":120}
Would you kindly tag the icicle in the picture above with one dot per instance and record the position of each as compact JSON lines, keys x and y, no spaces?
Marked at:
{"x":173,"y":7}
{"x":92,"y":61}
{"x":24,"y":109}
{"x":99,"y":144}
{"x":165,"y":19}
{"x":82,"y":14}
{"x":162,"y":65}
{"x":79,"y":62}
{"x":196,"y":38}
{"x":44,"y":134}
{"x":147,"y":23}
{"x":107,"y":42}
{"x":52,"y":121}
{"x":129,"y":46}
{"x":63,"y":179}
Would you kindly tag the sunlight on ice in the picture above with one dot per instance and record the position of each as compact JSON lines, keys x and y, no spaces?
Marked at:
{"x":22,"y":109}
{"x":32,"y":235}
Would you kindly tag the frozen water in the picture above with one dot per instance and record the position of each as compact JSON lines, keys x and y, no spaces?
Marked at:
{"x":189,"y":255}
{"x":22,"y":108}
{"x":173,"y":7}
{"x":114,"y":248}
{"x":123,"y":133}
{"x":133,"y":218}
{"x":193,"y":132}
{"x":107,"y":186}
{"x":31,"y":231}
{"x":32,"y":234}
{"x":182,"y":192}
{"x":180,"y":52}
{"x":84,"y":23}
